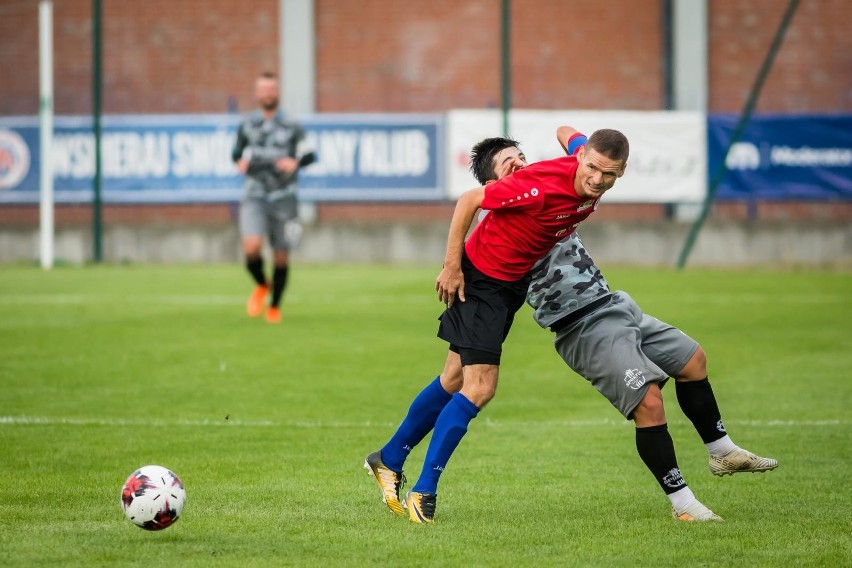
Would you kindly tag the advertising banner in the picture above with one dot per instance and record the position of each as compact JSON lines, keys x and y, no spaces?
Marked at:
{"x":783,"y":157}
{"x":668,"y":150}
{"x":187,"y":158}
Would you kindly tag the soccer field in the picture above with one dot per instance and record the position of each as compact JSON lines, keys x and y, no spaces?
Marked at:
{"x":105,"y":369}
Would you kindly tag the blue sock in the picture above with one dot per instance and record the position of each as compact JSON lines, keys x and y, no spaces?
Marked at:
{"x":450,"y":428}
{"x":417,"y":423}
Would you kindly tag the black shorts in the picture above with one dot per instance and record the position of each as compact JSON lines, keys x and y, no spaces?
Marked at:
{"x":477,"y":327}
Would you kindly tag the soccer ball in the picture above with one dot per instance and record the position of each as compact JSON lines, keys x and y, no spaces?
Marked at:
{"x":153,"y":497}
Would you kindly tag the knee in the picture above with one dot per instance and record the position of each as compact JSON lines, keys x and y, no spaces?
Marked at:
{"x":650,"y":410}
{"x":480,"y":394}
{"x":696,"y":368}
{"x":452,"y":381}
{"x":480,"y":389}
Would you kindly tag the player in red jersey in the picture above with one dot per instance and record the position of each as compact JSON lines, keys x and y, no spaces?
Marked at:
{"x":529,"y":212}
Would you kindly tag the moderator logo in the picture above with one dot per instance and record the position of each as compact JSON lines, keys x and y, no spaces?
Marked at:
{"x":14,"y":159}
{"x":743,"y":156}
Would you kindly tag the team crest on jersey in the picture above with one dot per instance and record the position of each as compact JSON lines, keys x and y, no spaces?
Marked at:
{"x":634,"y":378}
{"x":585,"y":205}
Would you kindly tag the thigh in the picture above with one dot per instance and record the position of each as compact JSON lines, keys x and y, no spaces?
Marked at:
{"x":285,"y":231}
{"x":604,"y":348}
{"x":483,"y":320}
{"x":253,"y":221}
{"x":667,"y":346}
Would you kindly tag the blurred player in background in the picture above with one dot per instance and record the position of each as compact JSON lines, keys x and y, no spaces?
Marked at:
{"x":571,"y":297}
{"x":529,"y":212}
{"x":269,"y":150}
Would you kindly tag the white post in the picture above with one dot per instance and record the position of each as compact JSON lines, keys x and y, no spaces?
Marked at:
{"x":45,"y":59}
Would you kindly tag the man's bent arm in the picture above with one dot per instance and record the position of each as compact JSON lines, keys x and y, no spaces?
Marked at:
{"x":450,"y":281}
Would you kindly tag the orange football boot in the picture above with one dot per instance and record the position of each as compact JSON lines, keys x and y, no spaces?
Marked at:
{"x":273,"y":314}
{"x":257,"y":300}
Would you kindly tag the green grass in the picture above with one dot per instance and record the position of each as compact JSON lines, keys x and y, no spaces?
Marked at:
{"x":105,"y":369}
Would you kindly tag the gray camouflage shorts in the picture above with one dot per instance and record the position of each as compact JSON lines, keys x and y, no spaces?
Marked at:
{"x":621,"y":350}
{"x":276,"y":219}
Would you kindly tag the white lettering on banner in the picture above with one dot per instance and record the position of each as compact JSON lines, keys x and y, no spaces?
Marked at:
{"x":336,"y":152}
{"x":202,"y":154}
{"x":131,"y":154}
{"x":73,"y":156}
{"x":808,"y":157}
{"x":397,"y":153}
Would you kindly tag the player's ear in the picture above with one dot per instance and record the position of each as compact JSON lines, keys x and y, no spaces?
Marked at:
{"x":623,"y":169}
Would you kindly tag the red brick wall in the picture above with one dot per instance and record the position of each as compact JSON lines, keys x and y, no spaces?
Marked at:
{"x":194,"y":56}
{"x":812,"y":72}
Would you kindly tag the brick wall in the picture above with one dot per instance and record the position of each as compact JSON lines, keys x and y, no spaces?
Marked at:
{"x":162,"y":56}
{"x":812,"y":72}
{"x":194,"y":56}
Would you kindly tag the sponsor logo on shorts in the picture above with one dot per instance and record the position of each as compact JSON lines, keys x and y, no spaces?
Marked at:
{"x":673,"y":478}
{"x":634,"y":378}
{"x":721,"y":427}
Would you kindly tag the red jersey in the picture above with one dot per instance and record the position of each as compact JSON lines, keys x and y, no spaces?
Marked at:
{"x":530,"y":211}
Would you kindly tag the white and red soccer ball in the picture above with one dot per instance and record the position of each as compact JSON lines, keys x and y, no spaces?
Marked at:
{"x":153,"y":497}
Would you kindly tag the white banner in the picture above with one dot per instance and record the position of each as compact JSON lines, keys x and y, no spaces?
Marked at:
{"x":668,"y":149}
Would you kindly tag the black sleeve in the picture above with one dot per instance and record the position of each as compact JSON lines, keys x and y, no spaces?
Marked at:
{"x":240,"y":144}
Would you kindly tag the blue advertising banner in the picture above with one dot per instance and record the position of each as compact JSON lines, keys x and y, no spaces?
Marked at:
{"x":783,"y":157}
{"x":187,"y":158}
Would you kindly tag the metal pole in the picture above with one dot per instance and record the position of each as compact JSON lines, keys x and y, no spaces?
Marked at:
{"x":45,"y":58}
{"x":738,"y":130}
{"x":505,"y":64}
{"x":96,"y":122}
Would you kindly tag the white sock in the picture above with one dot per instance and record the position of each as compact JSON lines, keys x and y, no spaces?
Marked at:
{"x":721,"y":446}
{"x":681,"y":499}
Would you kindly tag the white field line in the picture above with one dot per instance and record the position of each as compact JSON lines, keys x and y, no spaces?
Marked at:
{"x":336,"y":424}
{"x":205,"y":300}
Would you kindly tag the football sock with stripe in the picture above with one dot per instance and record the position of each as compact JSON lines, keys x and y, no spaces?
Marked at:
{"x":419,"y":421}
{"x":279,"y":281}
{"x":255,"y":267}
{"x":656,"y":448}
{"x":698,"y":403}
{"x":450,"y":428}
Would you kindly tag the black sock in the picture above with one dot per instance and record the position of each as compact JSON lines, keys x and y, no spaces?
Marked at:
{"x":698,"y":403}
{"x":656,"y":448}
{"x":255,"y":268}
{"x":279,"y":281}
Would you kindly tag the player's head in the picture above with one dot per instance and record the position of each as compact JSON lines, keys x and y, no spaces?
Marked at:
{"x":601,"y":162}
{"x":266,"y":91}
{"x":495,"y":158}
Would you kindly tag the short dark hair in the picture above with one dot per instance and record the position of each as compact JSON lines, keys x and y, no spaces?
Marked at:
{"x":482,"y":157}
{"x":611,"y":143}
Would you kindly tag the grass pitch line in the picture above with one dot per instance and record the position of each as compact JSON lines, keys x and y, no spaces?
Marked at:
{"x":323,"y":424}
{"x":206,"y":300}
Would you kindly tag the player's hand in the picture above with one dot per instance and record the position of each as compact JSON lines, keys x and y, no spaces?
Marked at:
{"x":449,"y":285}
{"x":287,"y":165}
{"x":242,"y":165}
